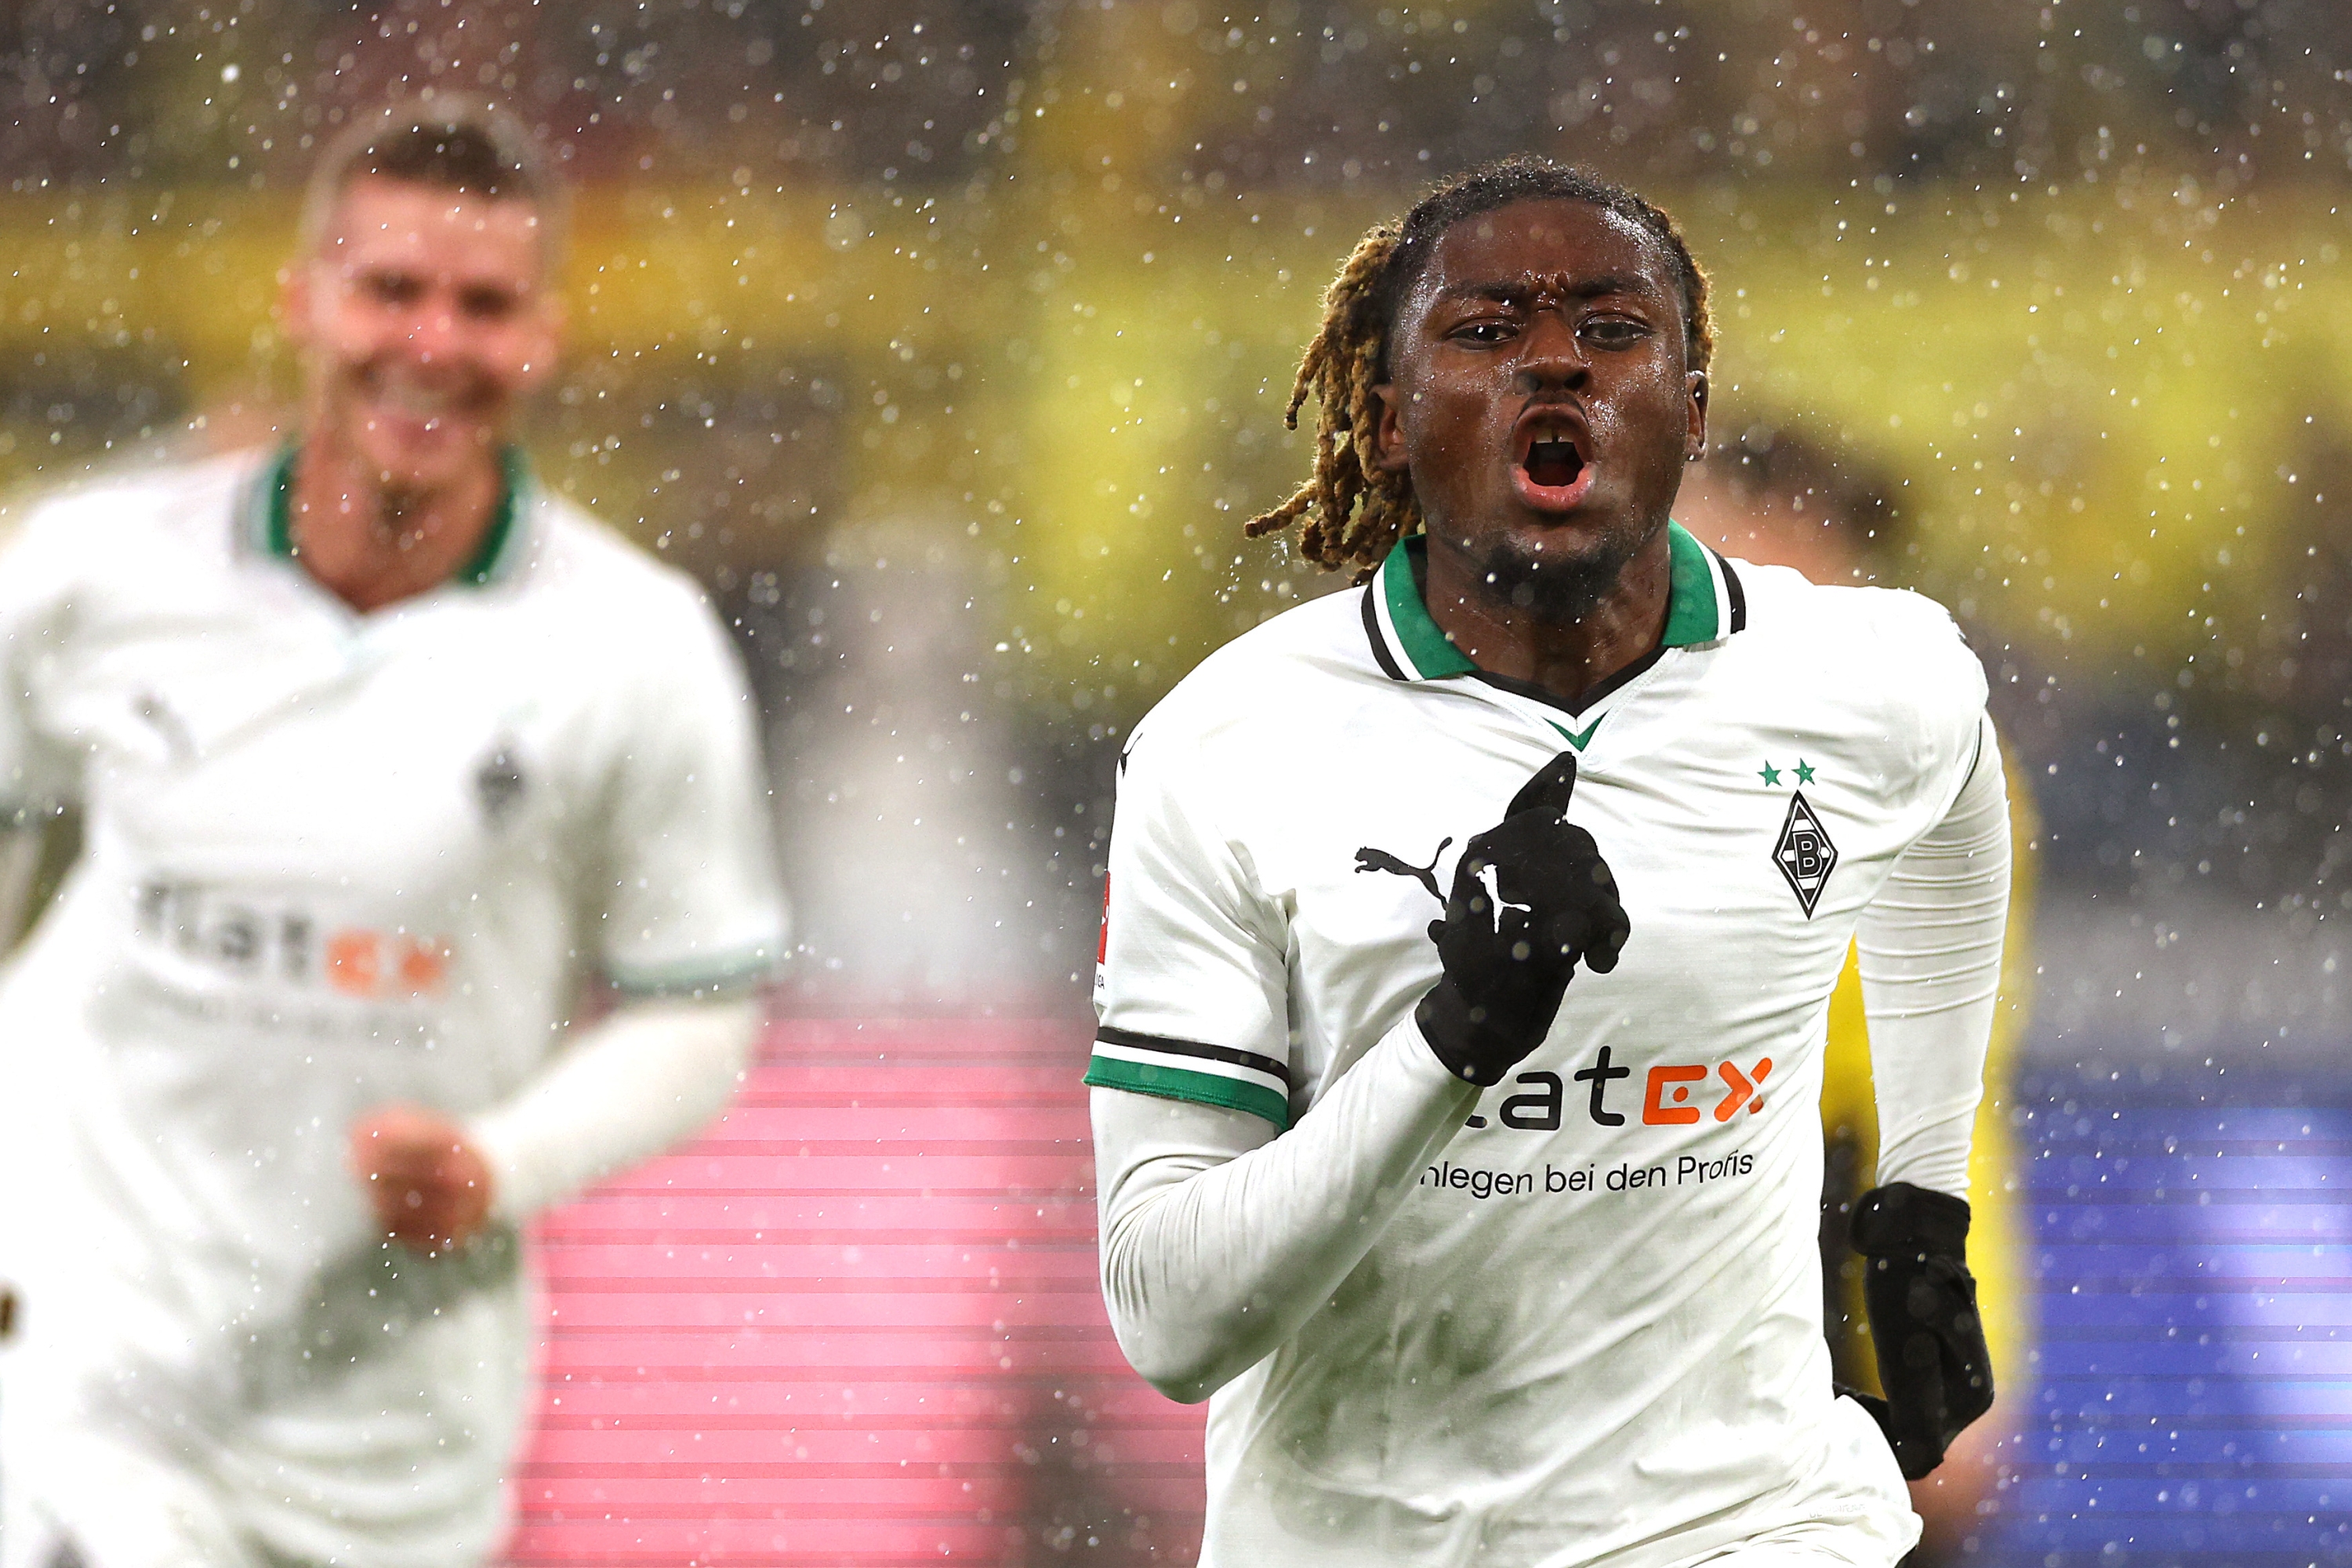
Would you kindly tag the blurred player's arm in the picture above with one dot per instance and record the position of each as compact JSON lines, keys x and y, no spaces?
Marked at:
{"x":638,"y":1080}
{"x":641,"y":1078}
{"x":1930,"y":951}
{"x":691,"y":921}
{"x":691,"y":918}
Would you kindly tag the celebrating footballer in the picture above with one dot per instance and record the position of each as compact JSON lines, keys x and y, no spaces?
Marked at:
{"x":1468,"y":950}
{"x":382,"y":750}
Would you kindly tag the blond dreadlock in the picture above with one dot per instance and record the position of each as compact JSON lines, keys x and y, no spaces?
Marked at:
{"x":1354,"y":512}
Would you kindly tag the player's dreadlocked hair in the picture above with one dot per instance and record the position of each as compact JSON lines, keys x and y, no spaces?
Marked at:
{"x":1353,"y":512}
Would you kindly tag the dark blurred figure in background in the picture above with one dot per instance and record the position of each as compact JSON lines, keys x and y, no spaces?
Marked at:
{"x":382,"y":750}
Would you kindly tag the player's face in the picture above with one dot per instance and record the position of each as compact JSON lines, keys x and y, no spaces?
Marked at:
{"x":423,"y":319}
{"x":1541,"y":396}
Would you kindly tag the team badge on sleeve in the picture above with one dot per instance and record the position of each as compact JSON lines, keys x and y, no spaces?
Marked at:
{"x":1804,"y":853}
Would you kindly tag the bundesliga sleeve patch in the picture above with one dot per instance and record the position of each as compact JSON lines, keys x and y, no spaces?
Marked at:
{"x":1187,"y":1070}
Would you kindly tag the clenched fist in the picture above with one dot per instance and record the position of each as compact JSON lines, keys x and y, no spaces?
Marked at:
{"x":427,"y":1186}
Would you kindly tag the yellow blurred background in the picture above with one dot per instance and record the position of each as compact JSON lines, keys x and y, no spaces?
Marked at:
{"x":2104,"y":388}
{"x":2106,"y":413}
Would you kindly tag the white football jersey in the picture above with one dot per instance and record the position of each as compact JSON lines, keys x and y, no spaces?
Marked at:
{"x":1592,"y":1333}
{"x":332,"y":860}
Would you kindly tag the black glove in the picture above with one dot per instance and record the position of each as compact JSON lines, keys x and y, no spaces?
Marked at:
{"x":1506,"y":967}
{"x":1923,"y":1327}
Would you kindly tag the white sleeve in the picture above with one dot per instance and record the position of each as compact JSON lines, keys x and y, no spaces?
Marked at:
{"x":637,"y":1082}
{"x":1930,"y":945}
{"x":1220,"y":1237}
{"x":1225,"y":1226}
{"x":691,"y":900}
{"x":1192,"y":991}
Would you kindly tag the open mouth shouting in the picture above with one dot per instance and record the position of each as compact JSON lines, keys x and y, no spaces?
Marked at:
{"x":1551,"y":469}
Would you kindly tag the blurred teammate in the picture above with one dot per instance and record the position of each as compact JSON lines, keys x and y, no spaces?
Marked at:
{"x":382,"y":750}
{"x":1469,"y":946}
{"x":1775,"y":497}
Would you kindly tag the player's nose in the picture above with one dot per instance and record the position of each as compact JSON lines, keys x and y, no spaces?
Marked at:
{"x":1550,"y":357}
{"x":433,"y":330}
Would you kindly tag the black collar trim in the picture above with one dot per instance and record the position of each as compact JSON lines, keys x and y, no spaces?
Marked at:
{"x":1616,"y":682}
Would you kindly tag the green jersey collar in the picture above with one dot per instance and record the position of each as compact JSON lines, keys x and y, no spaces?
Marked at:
{"x":273,"y":530}
{"x":1705,"y":603}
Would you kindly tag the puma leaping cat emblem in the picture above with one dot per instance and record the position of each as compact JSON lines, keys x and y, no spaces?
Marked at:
{"x":1370,"y":859}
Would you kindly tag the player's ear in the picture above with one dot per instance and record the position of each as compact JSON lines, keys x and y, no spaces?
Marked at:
{"x":1695,"y":386}
{"x":1388,"y":430}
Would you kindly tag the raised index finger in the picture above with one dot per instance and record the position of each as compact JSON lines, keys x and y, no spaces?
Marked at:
{"x":1549,"y":790}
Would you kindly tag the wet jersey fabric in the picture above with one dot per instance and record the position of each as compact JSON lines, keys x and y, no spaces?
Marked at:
{"x":1592,"y":1333}
{"x":332,"y":860}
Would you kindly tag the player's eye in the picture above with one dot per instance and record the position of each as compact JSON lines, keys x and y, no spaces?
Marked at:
{"x":487,"y":304}
{"x":1486,"y":329}
{"x":1614,"y":331}
{"x":392,"y":288}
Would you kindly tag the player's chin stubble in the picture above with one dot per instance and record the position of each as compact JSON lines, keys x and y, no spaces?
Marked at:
{"x":1556,"y":578}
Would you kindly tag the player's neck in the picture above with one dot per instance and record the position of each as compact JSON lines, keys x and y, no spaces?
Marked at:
{"x":1565,"y":656}
{"x":373,"y":544}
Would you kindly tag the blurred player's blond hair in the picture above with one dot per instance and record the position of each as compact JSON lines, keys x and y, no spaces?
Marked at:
{"x":453,"y":141}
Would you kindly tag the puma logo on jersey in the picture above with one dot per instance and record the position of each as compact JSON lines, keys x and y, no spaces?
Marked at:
{"x":1490,"y":878}
{"x":1370,"y":859}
